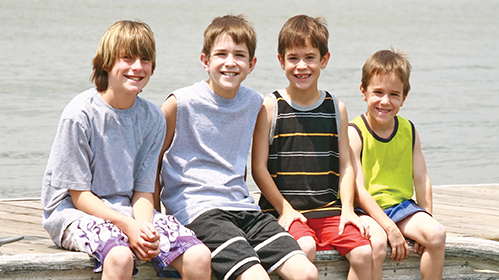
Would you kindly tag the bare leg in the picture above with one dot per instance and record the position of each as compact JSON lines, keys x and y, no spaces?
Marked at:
{"x":194,"y":264}
{"x":118,"y":264}
{"x":307,"y":244}
{"x":298,"y":267}
{"x":429,"y":233}
{"x":378,"y":246}
{"x":256,"y":272}
{"x":360,"y":260}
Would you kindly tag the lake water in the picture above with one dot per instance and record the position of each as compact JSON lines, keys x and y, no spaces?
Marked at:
{"x":46,"y":48}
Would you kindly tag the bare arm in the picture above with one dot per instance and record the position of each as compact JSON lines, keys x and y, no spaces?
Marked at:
{"x":422,"y":184}
{"x":260,"y":172}
{"x":169,"y":109}
{"x":347,"y":177}
{"x":400,"y":249}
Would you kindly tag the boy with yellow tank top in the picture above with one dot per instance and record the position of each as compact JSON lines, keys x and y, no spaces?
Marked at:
{"x":390,"y":167}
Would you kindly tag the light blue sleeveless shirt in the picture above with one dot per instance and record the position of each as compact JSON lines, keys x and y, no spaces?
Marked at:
{"x":205,"y":165}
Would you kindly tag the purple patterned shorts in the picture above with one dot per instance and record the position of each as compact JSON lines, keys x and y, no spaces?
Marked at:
{"x":97,"y":237}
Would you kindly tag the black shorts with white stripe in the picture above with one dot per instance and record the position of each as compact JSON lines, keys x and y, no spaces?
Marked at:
{"x":241,"y":239}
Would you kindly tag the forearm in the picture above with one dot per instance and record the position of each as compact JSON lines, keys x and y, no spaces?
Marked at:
{"x":143,"y":206}
{"x":89,"y":203}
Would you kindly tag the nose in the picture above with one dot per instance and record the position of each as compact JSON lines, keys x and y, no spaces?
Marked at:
{"x":230,"y":61}
{"x":385,"y":99}
{"x":137,"y":64}
{"x":301,"y":65}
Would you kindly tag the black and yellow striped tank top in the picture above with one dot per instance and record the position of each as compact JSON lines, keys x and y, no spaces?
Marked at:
{"x":303,"y":156}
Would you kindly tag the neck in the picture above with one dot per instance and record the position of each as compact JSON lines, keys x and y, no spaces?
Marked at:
{"x":116,"y":100}
{"x":301,"y":97}
{"x":383,"y":130}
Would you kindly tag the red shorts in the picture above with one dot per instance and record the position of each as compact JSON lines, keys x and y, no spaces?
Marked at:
{"x":325,"y":233}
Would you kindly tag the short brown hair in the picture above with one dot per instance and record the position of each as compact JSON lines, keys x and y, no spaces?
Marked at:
{"x":237,"y":27}
{"x":387,"y":62}
{"x":123,"y":38}
{"x":298,"y":29}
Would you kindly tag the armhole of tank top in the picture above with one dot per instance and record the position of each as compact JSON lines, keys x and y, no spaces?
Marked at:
{"x":413,"y":130}
{"x":360,"y":136}
{"x":274,"y":119}
{"x":338,"y":115}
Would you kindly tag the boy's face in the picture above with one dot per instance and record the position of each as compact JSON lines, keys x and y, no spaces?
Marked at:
{"x":384,"y":97}
{"x":303,"y":65}
{"x":228,"y":65}
{"x":129,"y":75}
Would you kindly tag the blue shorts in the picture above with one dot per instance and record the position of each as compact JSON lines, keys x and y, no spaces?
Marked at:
{"x":403,"y":210}
{"x":400,"y":211}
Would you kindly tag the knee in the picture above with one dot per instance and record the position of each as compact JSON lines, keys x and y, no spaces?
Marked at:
{"x":379,"y":248}
{"x":197,"y":260}
{"x":119,"y":258}
{"x":360,"y":256}
{"x":436,"y":238}
{"x":309,"y":272}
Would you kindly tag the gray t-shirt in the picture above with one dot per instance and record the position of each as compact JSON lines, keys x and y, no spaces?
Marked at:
{"x":204,"y":167}
{"x":111,"y":152}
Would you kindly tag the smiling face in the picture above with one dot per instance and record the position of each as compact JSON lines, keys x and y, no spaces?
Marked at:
{"x":384,"y":97}
{"x":126,"y":79}
{"x":302,"y":66}
{"x":228,"y":65}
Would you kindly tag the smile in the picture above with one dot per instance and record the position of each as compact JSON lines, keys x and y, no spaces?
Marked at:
{"x":304,"y":76}
{"x":383,"y":110}
{"x":134,"y":78}
{"x":230,"y":74}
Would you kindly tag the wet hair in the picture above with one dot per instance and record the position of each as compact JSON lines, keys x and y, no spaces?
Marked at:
{"x":123,"y":38}
{"x":237,"y":27}
{"x":387,"y":62}
{"x":299,"y":30}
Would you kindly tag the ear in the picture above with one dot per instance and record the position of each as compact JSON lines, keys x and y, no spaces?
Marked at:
{"x":325,"y":60}
{"x":252,"y":64}
{"x":205,"y":62}
{"x":281,"y":61}
{"x":363,"y":92}
{"x":403,"y":100}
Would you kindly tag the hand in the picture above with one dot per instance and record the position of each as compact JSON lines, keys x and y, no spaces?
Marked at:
{"x":288,"y":217}
{"x":418,"y":248}
{"x":143,"y":239}
{"x":400,"y":248}
{"x":352,"y":218}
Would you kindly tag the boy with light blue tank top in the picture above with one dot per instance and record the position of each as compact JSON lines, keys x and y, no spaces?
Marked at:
{"x":209,"y":130}
{"x":98,"y":187}
{"x":390,"y":168}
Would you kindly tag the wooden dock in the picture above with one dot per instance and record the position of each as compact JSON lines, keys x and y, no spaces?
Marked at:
{"x":469,"y":211}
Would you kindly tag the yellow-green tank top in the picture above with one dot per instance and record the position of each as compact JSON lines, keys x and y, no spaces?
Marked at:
{"x":387,"y":163}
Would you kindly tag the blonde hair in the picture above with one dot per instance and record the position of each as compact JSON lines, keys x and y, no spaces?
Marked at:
{"x":387,"y":62}
{"x":298,"y":29}
{"x":123,"y":38}
{"x":237,"y":27}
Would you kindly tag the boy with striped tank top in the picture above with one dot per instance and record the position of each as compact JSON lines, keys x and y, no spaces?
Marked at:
{"x":301,"y":158}
{"x":390,"y":166}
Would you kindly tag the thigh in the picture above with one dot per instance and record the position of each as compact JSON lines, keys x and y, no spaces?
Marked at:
{"x":175,"y":239}
{"x":95,"y":237}
{"x":273,"y":244}
{"x":231,"y":252}
{"x":328,"y":235}
{"x":419,"y":227}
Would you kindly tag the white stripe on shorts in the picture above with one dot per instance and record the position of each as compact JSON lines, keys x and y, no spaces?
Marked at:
{"x":225,"y":244}
{"x":266,"y":242}
{"x":238,"y":265}
{"x":285,"y":258}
